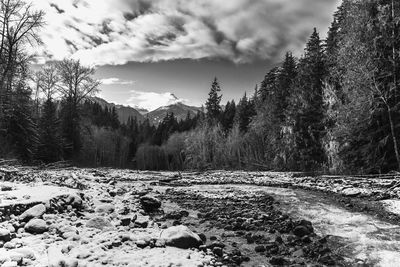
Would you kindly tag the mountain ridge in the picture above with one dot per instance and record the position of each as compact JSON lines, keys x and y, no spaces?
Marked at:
{"x":179,"y":109}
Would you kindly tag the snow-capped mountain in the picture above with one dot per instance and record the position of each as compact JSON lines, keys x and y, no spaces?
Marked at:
{"x":179,"y":109}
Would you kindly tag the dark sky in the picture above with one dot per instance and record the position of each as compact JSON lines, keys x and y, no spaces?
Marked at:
{"x":146,"y":50}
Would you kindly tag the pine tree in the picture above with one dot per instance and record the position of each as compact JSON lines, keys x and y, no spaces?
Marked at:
{"x":308,"y":106}
{"x":22,"y":129}
{"x":50,"y":145}
{"x":245,"y":112}
{"x":285,"y":79}
{"x":213,"y":107}
{"x":228,"y":116}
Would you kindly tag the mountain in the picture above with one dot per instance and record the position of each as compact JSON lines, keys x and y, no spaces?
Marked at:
{"x":124,"y":112}
{"x":179,"y":109}
{"x":142,"y":111}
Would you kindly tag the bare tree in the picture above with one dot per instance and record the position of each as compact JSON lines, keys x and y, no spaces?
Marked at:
{"x":77,"y":82}
{"x":49,"y":79}
{"x":19,"y":25}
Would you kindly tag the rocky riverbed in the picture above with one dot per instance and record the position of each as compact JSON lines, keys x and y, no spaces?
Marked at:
{"x":105,"y":217}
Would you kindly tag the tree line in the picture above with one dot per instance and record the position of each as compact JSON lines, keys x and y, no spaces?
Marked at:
{"x":334,"y":109}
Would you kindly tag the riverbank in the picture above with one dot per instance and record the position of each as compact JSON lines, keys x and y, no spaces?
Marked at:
{"x":94,"y":217}
{"x":375,"y":196}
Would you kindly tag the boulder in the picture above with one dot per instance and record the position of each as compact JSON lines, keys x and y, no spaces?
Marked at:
{"x":98,"y":223}
{"x":5,"y":235}
{"x":181,"y":237}
{"x":36,"y":226}
{"x":351,"y":192}
{"x":150,"y":203}
{"x":34,"y":212}
{"x":301,"y":231}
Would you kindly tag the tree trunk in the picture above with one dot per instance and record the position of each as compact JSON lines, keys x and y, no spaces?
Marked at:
{"x":395,"y":146}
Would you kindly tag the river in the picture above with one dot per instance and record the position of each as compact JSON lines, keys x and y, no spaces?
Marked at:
{"x":370,"y":241}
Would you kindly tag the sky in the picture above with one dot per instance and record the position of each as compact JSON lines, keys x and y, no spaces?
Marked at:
{"x":151,"y":53}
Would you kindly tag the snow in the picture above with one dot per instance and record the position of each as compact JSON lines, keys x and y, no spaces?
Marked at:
{"x":25,"y":194}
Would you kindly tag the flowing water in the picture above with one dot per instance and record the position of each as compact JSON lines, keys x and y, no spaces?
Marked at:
{"x":370,"y":240}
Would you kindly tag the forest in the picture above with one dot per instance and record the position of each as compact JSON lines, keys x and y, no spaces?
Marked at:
{"x":335,"y":109}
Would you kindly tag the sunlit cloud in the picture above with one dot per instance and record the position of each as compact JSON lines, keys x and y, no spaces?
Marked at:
{"x":119,"y":31}
{"x":115,"y":81}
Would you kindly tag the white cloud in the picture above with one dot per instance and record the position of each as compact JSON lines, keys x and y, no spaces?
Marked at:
{"x":118,"y":31}
{"x":152,"y":100}
{"x":116,"y":81}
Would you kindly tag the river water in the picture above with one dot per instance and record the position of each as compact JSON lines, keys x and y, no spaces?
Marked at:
{"x":370,"y":241}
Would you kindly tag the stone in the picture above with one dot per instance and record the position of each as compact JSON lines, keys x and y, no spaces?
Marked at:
{"x":74,"y":200}
{"x":34,"y":212}
{"x":6,"y":188}
{"x":351,"y":192}
{"x":36,"y":226}
{"x":277,"y":261}
{"x":298,"y":253}
{"x":5,"y":235}
{"x":105,"y":208}
{"x":181,"y":237}
{"x":141,"y":243}
{"x":259,"y":248}
{"x":98,"y":223}
{"x":301,"y":231}
{"x":150,"y":203}
{"x":126,"y":220}
{"x":218,"y":251}
{"x":142,"y":221}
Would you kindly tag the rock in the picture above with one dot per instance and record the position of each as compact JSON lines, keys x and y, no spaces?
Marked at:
{"x":150,"y":203}
{"x":6,"y":188}
{"x":301,"y":231}
{"x":215,"y":244}
{"x":142,"y":221}
{"x":218,"y":251}
{"x":259,"y":248}
{"x":126,"y":220}
{"x":34,"y":212}
{"x":25,"y":252}
{"x":202,"y":237}
{"x":74,"y":200}
{"x":277,"y":261}
{"x":298,"y":253}
{"x":57,"y":259}
{"x":142,"y":243}
{"x":5,"y":235}
{"x":105,"y":208}
{"x":351,"y":192}
{"x":98,"y":223}
{"x":181,"y":237}
{"x":36,"y":226}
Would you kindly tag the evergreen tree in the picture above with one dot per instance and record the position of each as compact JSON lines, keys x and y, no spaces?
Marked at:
{"x":228,"y":116}
{"x":308,"y":106}
{"x":50,"y":145}
{"x":245,"y":112}
{"x":285,"y":79}
{"x":22,"y":129}
{"x":213,"y":107}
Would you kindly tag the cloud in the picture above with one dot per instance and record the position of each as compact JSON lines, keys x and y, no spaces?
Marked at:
{"x":119,"y":31}
{"x":152,"y":100}
{"x":116,"y":81}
